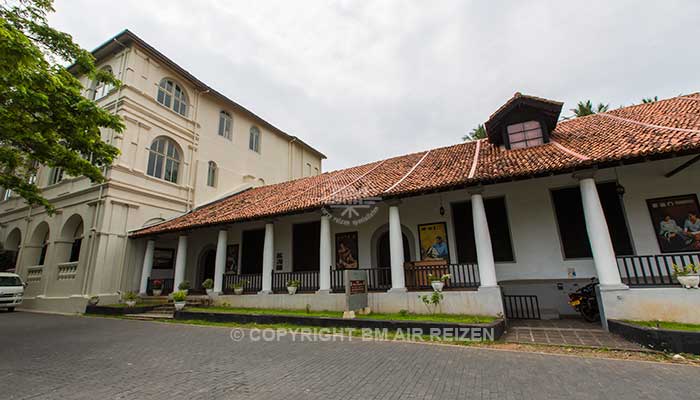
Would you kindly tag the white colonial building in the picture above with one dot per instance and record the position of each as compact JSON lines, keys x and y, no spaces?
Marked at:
{"x":185,"y":145}
{"x":519,"y":220}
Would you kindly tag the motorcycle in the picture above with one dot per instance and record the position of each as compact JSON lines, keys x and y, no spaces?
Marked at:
{"x":584,"y":301}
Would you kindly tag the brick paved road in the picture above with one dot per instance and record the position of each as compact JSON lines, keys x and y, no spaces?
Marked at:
{"x":58,"y":357}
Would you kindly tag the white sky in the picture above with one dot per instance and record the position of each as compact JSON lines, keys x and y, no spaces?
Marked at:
{"x":365,"y":80}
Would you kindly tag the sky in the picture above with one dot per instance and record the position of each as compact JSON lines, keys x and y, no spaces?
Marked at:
{"x":366,"y":80}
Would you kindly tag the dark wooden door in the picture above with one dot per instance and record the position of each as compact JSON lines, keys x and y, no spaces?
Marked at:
{"x":384,"y":253}
{"x":306,"y":240}
{"x":252,"y":251}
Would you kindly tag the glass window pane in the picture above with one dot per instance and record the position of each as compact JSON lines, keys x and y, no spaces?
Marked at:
{"x":151,"y":164}
{"x":159,"y":167}
{"x":531,"y":125}
{"x":533,"y":134}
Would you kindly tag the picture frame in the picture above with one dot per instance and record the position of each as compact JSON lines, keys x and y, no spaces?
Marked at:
{"x":346,"y":250}
{"x":676,"y":222}
{"x":432,"y":238}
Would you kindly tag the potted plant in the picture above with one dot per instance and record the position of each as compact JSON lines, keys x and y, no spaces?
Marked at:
{"x":130,"y":299}
{"x":438,"y":282}
{"x":238,"y":287}
{"x":208,"y":285}
{"x":688,"y":277}
{"x":157,"y":287}
{"x":184,"y":286}
{"x":179,"y":299}
{"x":293,"y":285}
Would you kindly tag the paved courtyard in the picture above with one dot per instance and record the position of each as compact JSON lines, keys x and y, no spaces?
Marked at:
{"x":566,"y":332}
{"x":61,"y":357}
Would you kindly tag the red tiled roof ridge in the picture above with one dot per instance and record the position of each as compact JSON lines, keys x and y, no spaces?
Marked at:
{"x":666,"y":127}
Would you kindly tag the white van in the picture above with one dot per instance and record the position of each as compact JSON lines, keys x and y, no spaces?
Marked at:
{"x":11,"y":290}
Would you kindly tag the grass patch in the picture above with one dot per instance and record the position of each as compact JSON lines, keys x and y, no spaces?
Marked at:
{"x":138,"y":304}
{"x":450,"y":318}
{"x":675,"y":326}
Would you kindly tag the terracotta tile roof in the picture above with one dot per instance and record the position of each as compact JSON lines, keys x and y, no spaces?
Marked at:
{"x":663,"y":128}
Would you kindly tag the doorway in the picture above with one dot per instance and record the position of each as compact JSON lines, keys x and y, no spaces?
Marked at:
{"x":207,"y":267}
{"x":252,"y":251}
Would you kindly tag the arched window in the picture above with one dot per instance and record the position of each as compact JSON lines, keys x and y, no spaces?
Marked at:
{"x":171,"y":95}
{"x":225,"y":123}
{"x":211,"y":174}
{"x":254,"y":142}
{"x":44,"y":249}
{"x":102,"y":89}
{"x":77,"y":241}
{"x":164,"y":159}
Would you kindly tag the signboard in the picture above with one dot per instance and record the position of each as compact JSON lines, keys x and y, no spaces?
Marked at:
{"x":355,"y":289}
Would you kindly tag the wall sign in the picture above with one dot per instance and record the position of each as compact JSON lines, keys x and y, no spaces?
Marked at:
{"x":433,"y":241}
{"x":356,"y":297}
{"x":676,"y":221}
{"x":279,"y":262}
{"x":346,"y":253}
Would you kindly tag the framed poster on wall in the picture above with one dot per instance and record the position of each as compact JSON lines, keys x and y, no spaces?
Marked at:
{"x":163,"y":258}
{"x":675,"y":220}
{"x":433,"y":241}
{"x":232,"y":257}
{"x":346,"y":250}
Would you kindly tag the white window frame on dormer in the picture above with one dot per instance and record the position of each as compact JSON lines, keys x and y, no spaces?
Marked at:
{"x":525,"y":134}
{"x":225,"y":125}
{"x":173,"y":96}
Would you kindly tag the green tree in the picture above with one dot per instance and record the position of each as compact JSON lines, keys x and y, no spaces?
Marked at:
{"x":584,"y":108}
{"x":650,"y":100}
{"x":477,"y":133}
{"x":44,"y":118}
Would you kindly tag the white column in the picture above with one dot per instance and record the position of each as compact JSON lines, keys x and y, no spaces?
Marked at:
{"x":598,"y":235}
{"x":147,"y":265}
{"x":180,"y":261}
{"x":325,"y":256}
{"x":482,"y":237}
{"x":398,"y":283}
{"x":220,"y":263}
{"x":268,"y":258}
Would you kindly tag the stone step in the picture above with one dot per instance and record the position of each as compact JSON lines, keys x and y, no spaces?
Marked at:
{"x":151,"y":316}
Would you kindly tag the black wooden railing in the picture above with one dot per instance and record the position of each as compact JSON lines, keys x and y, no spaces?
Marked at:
{"x":308,"y":281}
{"x":653,"y":270}
{"x":378,"y":280}
{"x":521,"y":307}
{"x":252,"y":282}
{"x":462,"y":276}
{"x":166,"y":287}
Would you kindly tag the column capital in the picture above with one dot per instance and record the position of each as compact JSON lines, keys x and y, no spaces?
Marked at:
{"x":479,"y":189}
{"x":585,"y":174}
{"x":394,"y":202}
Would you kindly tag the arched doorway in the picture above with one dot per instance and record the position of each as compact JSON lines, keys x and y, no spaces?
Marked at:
{"x":207,"y":265}
{"x":384,"y":256}
{"x":384,"y":253}
{"x":8,"y":255}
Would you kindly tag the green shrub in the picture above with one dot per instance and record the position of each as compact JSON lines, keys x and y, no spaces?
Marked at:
{"x":293,"y":283}
{"x":179,"y":296}
{"x":130,"y":296}
{"x":184,"y":285}
{"x":208,"y":284}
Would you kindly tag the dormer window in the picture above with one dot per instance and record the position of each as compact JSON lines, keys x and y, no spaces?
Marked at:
{"x":523,"y":121}
{"x":526,"y":134}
